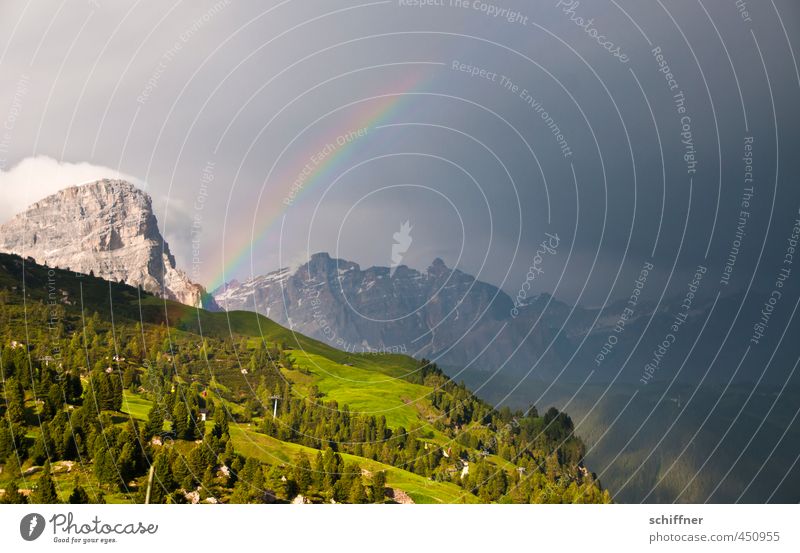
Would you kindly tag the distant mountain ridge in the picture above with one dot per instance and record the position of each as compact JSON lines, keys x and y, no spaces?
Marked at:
{"x":447,"y":315}
{"x":107,"y":227}
{"x":438,"y":313}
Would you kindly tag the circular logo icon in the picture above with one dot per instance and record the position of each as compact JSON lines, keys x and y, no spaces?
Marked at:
{"x":31,"y":526}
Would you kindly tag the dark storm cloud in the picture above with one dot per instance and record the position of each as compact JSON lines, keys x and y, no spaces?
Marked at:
{"x":182,"y":93}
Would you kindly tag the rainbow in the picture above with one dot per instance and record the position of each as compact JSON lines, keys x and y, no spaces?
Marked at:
{"x":338,"y":152}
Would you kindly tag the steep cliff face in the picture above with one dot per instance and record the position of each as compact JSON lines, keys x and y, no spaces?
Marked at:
{"x":107,"y":227}
{"x":440,"y":313}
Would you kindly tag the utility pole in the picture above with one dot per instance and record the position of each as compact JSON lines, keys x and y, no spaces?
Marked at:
{"x":149,"y":485}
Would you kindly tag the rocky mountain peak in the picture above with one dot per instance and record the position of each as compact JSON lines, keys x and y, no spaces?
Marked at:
{"x":438,"y":268}
{"x":322,"y":266}
{"x":396,"y":309}
{"x":107,"y":227}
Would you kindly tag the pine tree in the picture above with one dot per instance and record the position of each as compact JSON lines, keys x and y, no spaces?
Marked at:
{"x":104,"y":469}
{"x":250,"y":484}
{"x":163,"y":480}
{"x":155,"y":422}
{"x":302,"y":473}
{"x":15,"y":401}
{"x":197,"y":426}
{"x":197,"y":462}
{"x":131,"y":435}
{"x":357,"y":494}
{"x":226,"y":458}
{"x":220,"y":421}
{"x":45,"y":490}
{"x":133,"y":350}
{"x":7,"y":446}
{"x":43,"y":447}
{"x":208,"y":478}
{"x":552,"y":466}
{"x":13,"y":495}
{"x":116,"y":393}
{"x":78,"y":495}
{"x":332,"y":467}
{"x":74,"y":388}
{"x":180,"y":423}
{"x":55,"y":399}
{"x":126,"y":462}
{"x":378,"y":486}
{"x":319,"y":470}
{"x":130,"y":378}
{"x":11,"y":468}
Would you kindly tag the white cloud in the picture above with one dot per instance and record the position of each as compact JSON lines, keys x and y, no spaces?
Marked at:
{"x":34,"y":178}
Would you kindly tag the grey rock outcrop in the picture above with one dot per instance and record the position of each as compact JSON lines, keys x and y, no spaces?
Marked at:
{"x":106,"y":227}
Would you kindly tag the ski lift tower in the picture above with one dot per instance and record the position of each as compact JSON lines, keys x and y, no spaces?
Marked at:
{"x":275,"y":406}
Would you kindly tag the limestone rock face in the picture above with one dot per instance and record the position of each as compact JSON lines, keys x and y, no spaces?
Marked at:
{"x":106,"y":227}
{"x":440,"y":313}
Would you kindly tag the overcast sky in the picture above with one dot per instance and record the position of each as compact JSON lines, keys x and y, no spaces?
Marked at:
{"x":219,"y":109}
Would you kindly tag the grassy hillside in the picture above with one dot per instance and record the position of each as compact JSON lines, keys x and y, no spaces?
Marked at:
{"x":271,"y":451}
{"x":400,"y":401}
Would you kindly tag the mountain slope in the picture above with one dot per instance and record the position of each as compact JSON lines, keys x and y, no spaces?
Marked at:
{"x":240,"y":409}
{"x":106,"y":227}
